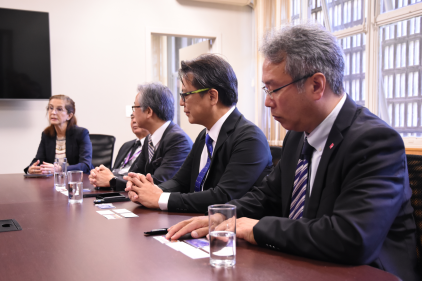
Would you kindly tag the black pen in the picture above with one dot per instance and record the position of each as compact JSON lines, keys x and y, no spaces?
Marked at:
{"x":158,"y":231}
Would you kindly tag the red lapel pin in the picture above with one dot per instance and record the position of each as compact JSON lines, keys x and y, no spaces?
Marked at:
{"x":331,"y":146}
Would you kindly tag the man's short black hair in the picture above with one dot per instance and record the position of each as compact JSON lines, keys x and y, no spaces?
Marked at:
{"x":211,"y":71}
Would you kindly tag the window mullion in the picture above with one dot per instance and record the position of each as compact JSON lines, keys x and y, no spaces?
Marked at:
{"x":350,"y":31}
{"x":326,"y":17}
{"x":372,"y":65}
{"x":401,"y":14}
{"x":304,"y":10}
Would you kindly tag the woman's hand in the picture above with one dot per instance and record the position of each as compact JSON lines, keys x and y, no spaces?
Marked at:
{"x":47,"y":168}
{"x":34,"y":168}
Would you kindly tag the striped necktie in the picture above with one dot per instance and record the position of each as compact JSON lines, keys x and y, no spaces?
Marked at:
{"x":200,"y":179}
{"x":301,"y":182}
{"x":151,"y":148}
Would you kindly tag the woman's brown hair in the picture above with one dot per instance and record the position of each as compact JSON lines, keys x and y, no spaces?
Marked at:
{"x":69,"y":104}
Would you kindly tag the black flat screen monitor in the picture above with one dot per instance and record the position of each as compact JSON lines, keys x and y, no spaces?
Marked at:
{"x":25,"y":71}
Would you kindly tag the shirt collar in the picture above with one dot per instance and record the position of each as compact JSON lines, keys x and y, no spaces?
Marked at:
{"x":318,"y":137}
{"x":158,"y":134}
{"x":216,"y":128}
{"x":142,"y":141}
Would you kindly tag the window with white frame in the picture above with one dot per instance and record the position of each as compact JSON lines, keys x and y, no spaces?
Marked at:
{"x":400,"y":71}
{"x":354,"y":66}
{"x":382,"y":44}
{"x":390,"y":5}
{"x":295,"y":11}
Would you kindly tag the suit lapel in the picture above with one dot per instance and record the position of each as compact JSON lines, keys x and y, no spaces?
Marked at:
{"x":343,"y":121}
{"x":158,"y":152}
{"x":161,"y":145}
{"x":228,"y":126}
{"x":197,"y":159}
{"x":122,"y":156}
{"x":141,"y":161}
{"x":289,"y":170}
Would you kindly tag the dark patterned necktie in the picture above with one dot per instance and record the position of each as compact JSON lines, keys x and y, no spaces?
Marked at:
{"x":301,"y":182}
{"x":135,"y":147}
{"x":151,"y":148}
{"x":200,"y":179}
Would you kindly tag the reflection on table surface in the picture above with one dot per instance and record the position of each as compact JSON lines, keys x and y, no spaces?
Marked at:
{"x":60,"y":241}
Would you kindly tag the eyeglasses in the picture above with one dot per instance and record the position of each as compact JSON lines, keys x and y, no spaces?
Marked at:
{"x":183,"y":95}
{"x":268,"y":92}
{"x":135,"y":106}
{"x":58,"y":109}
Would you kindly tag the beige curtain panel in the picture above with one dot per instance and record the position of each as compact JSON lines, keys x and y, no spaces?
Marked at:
{"x":269,"y":14}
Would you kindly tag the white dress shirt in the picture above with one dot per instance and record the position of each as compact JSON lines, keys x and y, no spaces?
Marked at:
{"x":213,"y":133}
{"x":318,"y":138}
{"x":158,"y":134}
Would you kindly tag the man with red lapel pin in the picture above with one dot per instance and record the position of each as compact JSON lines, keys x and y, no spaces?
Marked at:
{"x":340,"y":192}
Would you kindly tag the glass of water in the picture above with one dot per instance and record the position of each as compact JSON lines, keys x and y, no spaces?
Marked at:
{"x":222,"y":233}
{"x":60,"y":169}
{"x":74,"y":186}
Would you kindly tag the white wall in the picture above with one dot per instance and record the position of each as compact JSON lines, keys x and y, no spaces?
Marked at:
{"x":98,"y":57}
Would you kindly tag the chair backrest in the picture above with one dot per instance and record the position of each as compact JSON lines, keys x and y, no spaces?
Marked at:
{"x":102,"y":150}
{"x":414,"y":166}
{"x":276,"y":154}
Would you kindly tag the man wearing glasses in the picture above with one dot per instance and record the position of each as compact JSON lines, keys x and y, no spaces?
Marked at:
{"x":228,"y":157}
{"x":125,"y":159}
{"x":164,"y":149}
{"x":340,"y":192}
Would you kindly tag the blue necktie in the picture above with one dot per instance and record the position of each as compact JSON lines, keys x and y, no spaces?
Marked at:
{"x":200,"y":179}
{"x":301,"y":182}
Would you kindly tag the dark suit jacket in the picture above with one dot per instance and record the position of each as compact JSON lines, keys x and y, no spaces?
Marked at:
{"x":121,"y":155}
{"x":123,"y":152}
{"x":78,"y":150}
{"x":241,"y":158}
{"x":172,"y":150}
{"x":359,"y":210}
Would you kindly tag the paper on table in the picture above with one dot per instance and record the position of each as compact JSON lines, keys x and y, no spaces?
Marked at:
{"x":112,"y":217}
{"x":128,"y":215}
{"x":162,"y":239}
{"x":119,"y":211}
{"x":105,"y":212}
{"x":60,"y":189}
{"x":188,"y":250}
{"x":105,"y":206}
{"x":198,"y":243}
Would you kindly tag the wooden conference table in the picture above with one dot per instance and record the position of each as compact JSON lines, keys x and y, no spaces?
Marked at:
{"x":59,"y":241}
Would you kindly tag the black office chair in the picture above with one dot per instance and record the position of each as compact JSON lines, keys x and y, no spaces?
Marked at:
{"x":414,"y":166}
{"x":102,"y":150}
{"x":276,"y":154}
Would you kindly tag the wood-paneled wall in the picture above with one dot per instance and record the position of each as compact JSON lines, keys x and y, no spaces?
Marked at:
{"x":414,"y":151}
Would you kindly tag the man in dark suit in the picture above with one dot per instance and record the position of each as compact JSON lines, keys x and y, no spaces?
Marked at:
{"x":228,"y":157}
{"x":166,"y":147}
{"x":340,"y":192}
{"x":125,"y":160}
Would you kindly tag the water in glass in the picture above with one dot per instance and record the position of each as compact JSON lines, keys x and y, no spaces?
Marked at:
{"x":59,"y":180}
{"x":222,"y":248}
{"x":75,"y":192}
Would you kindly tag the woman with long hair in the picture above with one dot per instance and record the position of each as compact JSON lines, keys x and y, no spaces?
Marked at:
{"x":62,"y":139}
